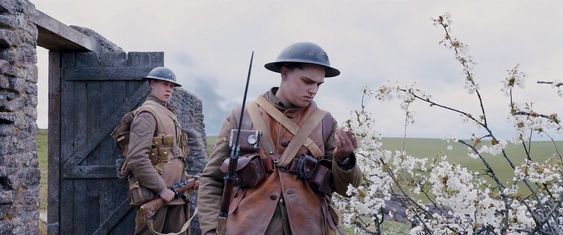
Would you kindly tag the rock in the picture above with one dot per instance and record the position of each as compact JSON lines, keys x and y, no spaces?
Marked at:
{"x":6,"y":197}
{"x":7,"y":38}
{"x":106,"y":46}
{"x":189,"y":110}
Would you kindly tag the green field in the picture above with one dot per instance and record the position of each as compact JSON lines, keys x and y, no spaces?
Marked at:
{"x":42,"y":152}
{"x":541,"y":150}
{"x":430,"y":148}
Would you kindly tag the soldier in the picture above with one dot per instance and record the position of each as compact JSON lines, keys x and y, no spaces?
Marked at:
{"x":156,"y":156}
{"x":294,"y":196}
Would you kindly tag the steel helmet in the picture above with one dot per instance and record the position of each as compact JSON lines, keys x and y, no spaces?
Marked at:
{"x":163,"y":74}
{"x":303,"y":52}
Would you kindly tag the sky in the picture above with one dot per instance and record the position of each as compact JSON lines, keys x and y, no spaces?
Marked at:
{"x":208,"y":45}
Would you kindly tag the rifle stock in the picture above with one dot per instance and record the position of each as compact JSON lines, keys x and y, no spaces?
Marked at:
{"x":148,"y":209}
{"x":231,"y":175}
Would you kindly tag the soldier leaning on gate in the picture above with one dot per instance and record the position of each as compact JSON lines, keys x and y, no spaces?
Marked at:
{"x":156,"y":154}
{"x":292,"y":198}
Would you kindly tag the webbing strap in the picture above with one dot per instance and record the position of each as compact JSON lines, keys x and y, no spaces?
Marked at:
{"x":258,"y":122}
{"x":301,"y":134}
{"x":182,"y":230}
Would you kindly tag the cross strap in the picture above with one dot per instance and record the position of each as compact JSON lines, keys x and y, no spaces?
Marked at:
{"x":258,"y":122}
{"x":301,"y":134}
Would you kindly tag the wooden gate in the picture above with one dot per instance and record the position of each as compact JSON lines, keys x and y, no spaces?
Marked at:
{"x":88,"y":95}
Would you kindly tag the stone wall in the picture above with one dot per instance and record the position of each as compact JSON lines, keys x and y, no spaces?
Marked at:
{"x":189,"y":109}
{"x":19,"y":166}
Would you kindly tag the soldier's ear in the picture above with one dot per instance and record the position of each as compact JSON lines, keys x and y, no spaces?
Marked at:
{"x":284,"y":71}
{"x":152,"y":83}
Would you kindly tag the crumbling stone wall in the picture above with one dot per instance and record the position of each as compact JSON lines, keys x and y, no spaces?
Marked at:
{"x":189,"y":109}
{"x":19,"y":165}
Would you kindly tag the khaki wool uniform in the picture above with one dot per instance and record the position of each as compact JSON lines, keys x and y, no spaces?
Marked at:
{"x":155,"y":119}
{"x":282,"y":203}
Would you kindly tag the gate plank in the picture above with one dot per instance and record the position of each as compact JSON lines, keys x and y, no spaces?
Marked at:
{"x":90,"y":172}
{"x":109,"y":198}
{"x":106,"y":73}
{"x":83,"y":209}
{"x":68,"y":118}
{"x":97,"y":91}
{"x":104,"y":131}
{"x":54,"y":142}
{"x":80,"y":195}
{"x":113,"y":218}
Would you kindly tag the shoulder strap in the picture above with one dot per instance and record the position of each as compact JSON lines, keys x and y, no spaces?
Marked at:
{"x":300,"y":137}
{"x":258,"y":122}
{"x":151,"y":110}
{"x":301,"y":134}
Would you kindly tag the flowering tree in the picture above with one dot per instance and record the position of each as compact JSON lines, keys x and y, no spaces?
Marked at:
{"x":440,"y":197}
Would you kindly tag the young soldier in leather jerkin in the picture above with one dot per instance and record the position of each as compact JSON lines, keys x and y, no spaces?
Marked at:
{"x":288,"y":200}
{"x":155,"y":157}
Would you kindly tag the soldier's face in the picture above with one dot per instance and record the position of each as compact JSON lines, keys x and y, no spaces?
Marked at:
{"x":299,"y":86}
{"x":162,"y":89}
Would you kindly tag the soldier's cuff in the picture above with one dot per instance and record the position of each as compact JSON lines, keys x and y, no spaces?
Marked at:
{"x":348,"y":163}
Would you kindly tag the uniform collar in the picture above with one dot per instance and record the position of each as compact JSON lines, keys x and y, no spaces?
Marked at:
{"x":279,"y":104}
{"x":164,"y":104}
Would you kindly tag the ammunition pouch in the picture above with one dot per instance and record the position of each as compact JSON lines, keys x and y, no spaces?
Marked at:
{"x":251,"y":170}
{"x":248,"y":140}
{"x":184,"y":145}
{"x":160,"y":151}
{"x":139,"y":195}
{"x":317,"y":174}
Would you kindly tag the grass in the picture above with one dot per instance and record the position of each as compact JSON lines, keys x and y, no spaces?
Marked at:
{"x":431,"y":148}
{"x":42,"y":145}
{"x":541,"y":150}
{"x":43,"y":165}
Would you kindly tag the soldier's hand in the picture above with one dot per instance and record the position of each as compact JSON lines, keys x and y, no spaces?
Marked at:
{"x":345,"y":143}
{"x":166,"y":195}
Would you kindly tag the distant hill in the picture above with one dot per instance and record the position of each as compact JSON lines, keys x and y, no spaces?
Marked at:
{"x":419,"y":147}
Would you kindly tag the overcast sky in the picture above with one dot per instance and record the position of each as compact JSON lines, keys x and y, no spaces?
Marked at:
{"x":208,"y":45}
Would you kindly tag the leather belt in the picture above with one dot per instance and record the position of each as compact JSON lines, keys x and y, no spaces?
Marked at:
{"x":293,"y":167}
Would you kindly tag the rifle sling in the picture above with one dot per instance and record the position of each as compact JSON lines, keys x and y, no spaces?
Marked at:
{"x":182,"y":230}
{"x":258,"y":122}
{"x":301,"y":134}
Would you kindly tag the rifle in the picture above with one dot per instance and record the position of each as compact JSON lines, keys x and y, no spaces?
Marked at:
{"x":148,"y":209}
{"x":231,"y":177}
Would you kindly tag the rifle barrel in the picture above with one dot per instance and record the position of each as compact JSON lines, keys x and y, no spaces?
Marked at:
{"x":233,"y":158}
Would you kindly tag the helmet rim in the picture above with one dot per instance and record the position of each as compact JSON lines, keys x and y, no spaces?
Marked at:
{"x":162,"y":74}
{"x":304,"y":53}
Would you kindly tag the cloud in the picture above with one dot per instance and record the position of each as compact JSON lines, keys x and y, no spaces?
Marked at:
{"x":215,"y":106}
{"x":208,"y":43}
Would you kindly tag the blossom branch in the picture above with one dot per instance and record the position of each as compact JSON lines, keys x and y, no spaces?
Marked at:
{"x":408,"y":199}
{"x":443,"y":21}
{"x":432,"y":103}
{"x":491,"y":173}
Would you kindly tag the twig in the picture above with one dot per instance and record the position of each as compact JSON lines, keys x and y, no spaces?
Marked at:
{"x":534,"y":114}
{"x":463,"y":62}
{"x":497,"y":181}
{"x":556,"y":149}
{"x":390,"y":173}
{"x":549,"y":82}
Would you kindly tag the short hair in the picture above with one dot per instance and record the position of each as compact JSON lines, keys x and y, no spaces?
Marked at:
{"x":292,"y":65}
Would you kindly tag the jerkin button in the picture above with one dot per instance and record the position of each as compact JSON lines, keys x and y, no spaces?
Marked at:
{"x":273,"y":197}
